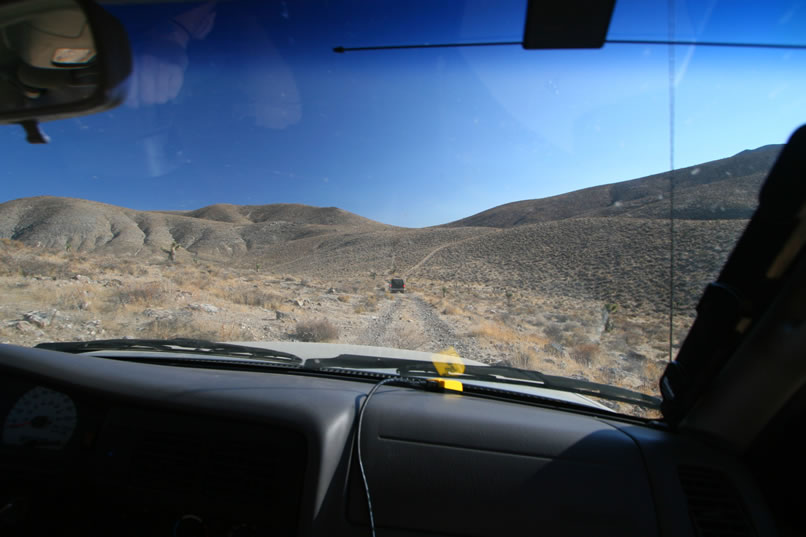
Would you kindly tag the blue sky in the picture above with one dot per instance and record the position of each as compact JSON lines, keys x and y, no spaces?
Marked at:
{"x":256,"y":108}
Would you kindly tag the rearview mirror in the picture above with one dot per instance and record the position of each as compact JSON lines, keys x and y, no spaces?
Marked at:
{"x":59,"y":59}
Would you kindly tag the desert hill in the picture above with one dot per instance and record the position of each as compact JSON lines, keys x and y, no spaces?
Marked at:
{"x":602,"y":244}
{"x":720,"y":189}
{"x":280,"y":212}
{"x":217,"y":232}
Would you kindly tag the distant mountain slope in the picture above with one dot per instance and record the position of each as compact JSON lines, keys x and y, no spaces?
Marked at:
{"x":603,"y":259}
{"x":720,"y":189}
{"x":219,"y":231}
{"x":281,"y":212}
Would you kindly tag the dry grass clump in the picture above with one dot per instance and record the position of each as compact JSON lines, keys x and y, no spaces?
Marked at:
{"x":122,"y":266}
{"x":258,"y":299}
{"x":585,"y":354}
{"x":11,"y":245}
{"x":76,"y":298}
{"x":316,"y":330}
{"x":492,"y":330}
{"x":368,"y":303}
{"x":554,"y":332}
{"x":170,"y":328}
{"x":140,"y":293}
{"x":523,"y":357}
{"x":496,"y":331}
{"x":568,"y":333}
{"x":27,"y":266}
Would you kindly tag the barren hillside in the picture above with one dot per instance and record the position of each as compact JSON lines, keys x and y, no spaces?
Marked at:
{"x":217,"y":232}
{"x":615,"y":260}
{"x":721,"y":189}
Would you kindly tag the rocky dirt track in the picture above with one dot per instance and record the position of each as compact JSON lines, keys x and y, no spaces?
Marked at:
{"x":410,"y":322}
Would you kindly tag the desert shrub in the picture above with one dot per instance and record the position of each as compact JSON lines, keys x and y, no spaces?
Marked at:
{"x":121,"y":265}
{"x":316,"y":330}
{"x":233,"y":332}
{"x":147,"y":293}
{"x":505,"y":318}
{"x":257,"y":299}
{"x":34,"y":266}
{"x":634,"y":337}
{"x":584,"y":354}
{"x":652,"y":371}
{"x":554,"y":333}
{"x":172,"y":327}
{"x":554,"y":349}
{"x":491,"y":330}
{"x":369,"y":303}
{"x":522,"y":357}
{"x":537,"y":320}
{"x":575,"y":334}
{"x":73,"y":299}
{"x":11,"y":244}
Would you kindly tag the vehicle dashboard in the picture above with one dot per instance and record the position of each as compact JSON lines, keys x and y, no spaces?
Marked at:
{"x":167,"y":450}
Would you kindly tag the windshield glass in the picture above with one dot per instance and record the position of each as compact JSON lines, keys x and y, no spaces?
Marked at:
{"x":256,"y":186}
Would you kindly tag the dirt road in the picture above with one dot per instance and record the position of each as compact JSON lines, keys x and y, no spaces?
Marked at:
{"x":409,"y":322}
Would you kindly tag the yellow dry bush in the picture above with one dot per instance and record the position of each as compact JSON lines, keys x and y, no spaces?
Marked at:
{"x":498,"y":332}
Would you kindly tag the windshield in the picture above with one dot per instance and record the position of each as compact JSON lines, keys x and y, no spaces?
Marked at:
{"x":256,"y":186}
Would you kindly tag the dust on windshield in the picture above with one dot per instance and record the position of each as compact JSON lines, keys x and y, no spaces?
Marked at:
{"x":257,"y":186}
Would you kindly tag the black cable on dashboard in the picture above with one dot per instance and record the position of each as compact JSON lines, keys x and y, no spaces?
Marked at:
{"x":419,"y":383}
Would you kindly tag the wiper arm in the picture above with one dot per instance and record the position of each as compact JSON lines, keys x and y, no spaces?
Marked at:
{"x":178,"y":345}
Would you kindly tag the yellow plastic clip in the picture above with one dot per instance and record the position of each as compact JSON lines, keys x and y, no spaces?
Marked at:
{"x":449,"y":384}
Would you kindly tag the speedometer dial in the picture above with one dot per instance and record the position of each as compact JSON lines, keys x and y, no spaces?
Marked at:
{"x":41,"y":418}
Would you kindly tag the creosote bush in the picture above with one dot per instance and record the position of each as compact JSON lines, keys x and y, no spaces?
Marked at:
{"x":585,"y":354}
{"x":147,"y":293}
{"x":317,"y":330}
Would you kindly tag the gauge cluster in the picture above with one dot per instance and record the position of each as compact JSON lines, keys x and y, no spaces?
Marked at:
{"x":93,"y":461}
{"x":40,"y":418}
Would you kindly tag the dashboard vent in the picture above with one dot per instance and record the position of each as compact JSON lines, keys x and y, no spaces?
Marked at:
{"x":714,"y":504}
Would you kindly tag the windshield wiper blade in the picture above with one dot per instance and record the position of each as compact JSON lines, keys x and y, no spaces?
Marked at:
{"x":178,"y":345}
{"x":496,"y":374}
{"x":525,"y":377}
